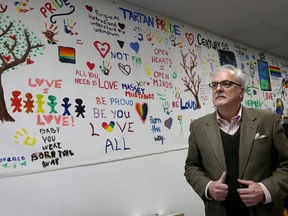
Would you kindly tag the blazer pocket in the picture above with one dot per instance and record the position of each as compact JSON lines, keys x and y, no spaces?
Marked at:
{"x":261,"y":147}
{"x":262,"y":142}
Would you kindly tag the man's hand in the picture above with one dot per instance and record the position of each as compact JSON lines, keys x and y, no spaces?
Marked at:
{"x":252,"y":194}
{"x":218,"y":190}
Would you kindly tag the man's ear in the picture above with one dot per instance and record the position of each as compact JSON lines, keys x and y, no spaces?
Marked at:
{"x":242,"y":91}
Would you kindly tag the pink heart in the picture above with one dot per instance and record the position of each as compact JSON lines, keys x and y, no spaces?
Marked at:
{"x":103,"y":48}
{"x":48,"y":118}
{"x":39,"y":81}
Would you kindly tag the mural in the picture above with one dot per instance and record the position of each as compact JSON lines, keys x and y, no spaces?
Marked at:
{"x":17,"y":48}
{"x":86,"y":82}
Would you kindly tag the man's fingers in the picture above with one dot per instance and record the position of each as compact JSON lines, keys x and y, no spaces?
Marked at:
{"x":223,"y":177}
{"x":244,"y":183}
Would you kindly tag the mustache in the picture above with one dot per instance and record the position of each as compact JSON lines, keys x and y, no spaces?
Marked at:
{"x":219,"y":94}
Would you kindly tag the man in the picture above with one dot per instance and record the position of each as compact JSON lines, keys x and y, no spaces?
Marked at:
{"x":237,"y":159}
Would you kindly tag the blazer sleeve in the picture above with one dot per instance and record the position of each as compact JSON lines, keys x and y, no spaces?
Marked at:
{"x":277,"y":182}
{"x":200,"y":165}
{"x":194,"y":173}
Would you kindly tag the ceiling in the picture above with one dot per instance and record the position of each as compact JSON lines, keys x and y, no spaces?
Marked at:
{"x":262,"y":24}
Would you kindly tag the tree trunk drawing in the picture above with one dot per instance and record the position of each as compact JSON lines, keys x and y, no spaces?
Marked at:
{"x":191,"y":82}
{"x":4,"y":115}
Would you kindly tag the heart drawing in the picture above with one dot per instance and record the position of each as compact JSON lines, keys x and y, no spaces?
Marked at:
{"x":90,"y":65}
{"x":135,"y":46}
{"x":168,"y":123}
{"x":13,"y":37}
{"x":7,"y":58}
{"x":89,"y":8}
{"x":103,"y":48}
{"x":142,"y":110}
{"x":29,"y":61}
{"x":108,"y":127}
{"x":125,"y":69}
{"x":121,"y":25}
{"x":190,"y":38}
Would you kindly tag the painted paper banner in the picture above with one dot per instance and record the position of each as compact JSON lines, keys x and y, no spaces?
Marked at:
{"x":87,"y":82}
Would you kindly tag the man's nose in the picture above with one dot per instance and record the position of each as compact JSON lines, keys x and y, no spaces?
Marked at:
{"x":219,"y":86}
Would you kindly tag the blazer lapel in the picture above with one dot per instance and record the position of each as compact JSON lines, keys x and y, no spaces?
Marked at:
{"x":247,"y":134}
{"x":214,"y":137}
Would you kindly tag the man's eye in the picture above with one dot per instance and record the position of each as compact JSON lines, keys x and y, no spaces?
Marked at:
{"x":226,"y":83}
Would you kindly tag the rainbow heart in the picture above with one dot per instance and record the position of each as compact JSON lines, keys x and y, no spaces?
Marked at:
{"x":142,"y":110}
{"x":109,"y":127}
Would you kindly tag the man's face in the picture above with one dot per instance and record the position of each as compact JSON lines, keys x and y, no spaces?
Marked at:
{"x":225,"y":97}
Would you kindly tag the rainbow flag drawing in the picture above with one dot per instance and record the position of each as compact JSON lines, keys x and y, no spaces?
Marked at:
{"x":275,"y":71}
{"x":66,"y":54}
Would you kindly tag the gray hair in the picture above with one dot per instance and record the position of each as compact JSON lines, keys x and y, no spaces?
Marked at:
{"x":239,"y":75}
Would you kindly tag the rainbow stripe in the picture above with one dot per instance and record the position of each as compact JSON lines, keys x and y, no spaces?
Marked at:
{"x":275,"y":71}
{"x":66,"y":54}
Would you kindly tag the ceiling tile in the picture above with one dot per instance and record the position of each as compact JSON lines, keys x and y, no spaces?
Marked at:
{"x":219,"y":18}
{"x":279,"y":50}
{"x":262,"y":36}
{"x":280,"y":22}
{"x":261,"y":8}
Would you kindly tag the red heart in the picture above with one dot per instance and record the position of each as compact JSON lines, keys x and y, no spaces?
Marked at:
{"x":103,"y":48}
{"x":13,"y":37}
{"x":29,"y":61}
{"x":190,"y":38}
{"x":7,"y":58}
{"x":90,"y":65}
{"x":89,"y":8}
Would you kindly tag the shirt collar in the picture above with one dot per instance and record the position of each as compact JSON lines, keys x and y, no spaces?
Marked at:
{"x":237,"y":117}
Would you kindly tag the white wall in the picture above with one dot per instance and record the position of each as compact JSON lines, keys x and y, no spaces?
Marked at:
{"x":143,"y":186}
{"x":140,"y":186}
